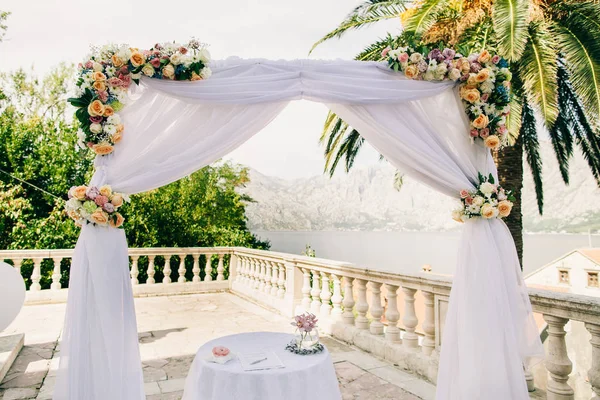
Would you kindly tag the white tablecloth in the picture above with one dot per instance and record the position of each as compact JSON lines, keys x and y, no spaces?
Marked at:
{"x":303,"y":377}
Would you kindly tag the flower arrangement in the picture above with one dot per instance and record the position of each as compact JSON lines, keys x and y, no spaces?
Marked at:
{"x":307,"y":334}
{"x":106,"y":75}
{"x":489,"y":200}
{"x":90,"y":204}
{"x":484,"y":85}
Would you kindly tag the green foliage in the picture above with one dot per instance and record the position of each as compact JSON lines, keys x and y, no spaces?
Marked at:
{"x":510,"y":25}
{"x":3,"y":17}
{"x":427,"y":15}
{"x":531,"y":147}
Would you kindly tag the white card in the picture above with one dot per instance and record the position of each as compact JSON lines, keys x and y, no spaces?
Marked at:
{"x":260,"y":361}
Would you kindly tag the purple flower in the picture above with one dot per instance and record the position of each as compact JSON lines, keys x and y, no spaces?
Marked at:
{"x":92,"y":192}
{"x":475,"y":67}
{"x":422,"y":66}
{"x":473,"y":57}
{"x":97,"y":119}
{"x":448,"y":54}
{"x":436,"y":55}
{"x":464,"y":78}
{"x":108,"y":207}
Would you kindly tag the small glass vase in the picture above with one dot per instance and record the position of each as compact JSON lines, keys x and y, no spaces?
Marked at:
{"x":307,"y":340}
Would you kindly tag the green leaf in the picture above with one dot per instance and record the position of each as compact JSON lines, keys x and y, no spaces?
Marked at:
{"x":510,"y":25}
{"x":426,"y":16}
{"x":531,"y":147}
{"x":491,"y":179}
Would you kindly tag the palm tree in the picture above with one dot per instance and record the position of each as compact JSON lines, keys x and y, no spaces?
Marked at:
{"x":554,"y":49}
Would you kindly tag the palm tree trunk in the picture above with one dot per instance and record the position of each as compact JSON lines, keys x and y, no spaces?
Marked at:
{"x":510,"y":174}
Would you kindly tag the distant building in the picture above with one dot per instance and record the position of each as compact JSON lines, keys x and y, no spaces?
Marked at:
{"x":575,"y":272}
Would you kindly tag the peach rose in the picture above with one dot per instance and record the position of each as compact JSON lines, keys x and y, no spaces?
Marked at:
{"x":457,"y":216}
{"x":99,"y":86}
{"x":464,"y":65}
{"x":148,"y":70}
{"x":471,"y":95}
{"x":472,"y":80}
{"x":99,"y":217}
{"x":220,"y":351}
{"x":108,"y":111}
{"x":481,"y":122}
{"x":488,"y":211}
{"x":504,"y":208}
{"x":117,"y":61}
{"x":195,"y":77}
{"x":117,"y":137}
{"x":484,"y":57}
{"x":98,"y":76}
{"x":137,"y":59}
{"x":117,"y":200}
{"x":169,"y":71}
{"x":96,"y":108}
{"x":411,"y":71}
{"x":117,"y":220}
{"x":105,"y":190}
{"x":120,"y":128}
{"x":79,"y":192}
{"x":102,"y":149}
{"x":482,"y":75}
{"x":492,"y":142}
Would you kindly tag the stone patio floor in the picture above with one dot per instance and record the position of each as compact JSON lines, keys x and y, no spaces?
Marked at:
{"x":171,"y":329}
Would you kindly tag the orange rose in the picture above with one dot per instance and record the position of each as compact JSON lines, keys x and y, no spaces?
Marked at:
{"x":117,"y":61}
{"x":137,"y":59}
{"x":471,"y":95}
{"x":98,"y":76}
{"x":118,"y":222}
{"x":105,"y":190}
{"x":117,"y":200}
{"x":195,"y":77}
{"x":411,"y":71}
{"x":488,"y":211}
{"x":168,"y":71}
{"x":102,"y":149}
{"x":79,"y":192}
{"x":108,"y":111}
{"x":482,"y":75}
{"x":96,"y":108}
{"x":99,"y":217}
{"x":116,"y":138}
{"x":504,"y":208}
{"x":472,"y":80}
{"x":481,"y":121}
{"x":100,"y":86}
{"x":484,"y":57}
{"x":492,"y":142}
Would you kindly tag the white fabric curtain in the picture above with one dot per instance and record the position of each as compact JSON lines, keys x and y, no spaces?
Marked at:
{"x":175,"y":128}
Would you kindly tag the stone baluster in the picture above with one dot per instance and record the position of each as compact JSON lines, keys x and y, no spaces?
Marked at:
{"x":241,"y":276}
{"x":281,"y":281}
{"x":410,"y":320}
{"x":135,"y":272}
{"x":336,"y":299}
{"x":376,"y":309}
{"x":594,"y":371}
{"x":150,"y":271}
{"x":348,"y":315}
{"x":428,"y":344}
{"x":362,"y":322}
{"x":252,"y":272}
{"x":181,"y":269}
{"x":392,"y":315}
{"x":56,"y":274}
{"x":325,"y":294}
{"x":262,"y":276}
{"x":274,"y":278}
{"x":557,"y":363}
{"x":36,"y":275}
{"x":248,"y":271}
{"x":257,"y":273}
{"x":268,"y":276}
{"x":208,"y":268}
{"x":529,"y":380}
{"x":167,"y":270}
{"x":17,"y":265}
{"x":221,"y":268}
{"x":315,"y":305}
{"x":196,"y":267}
{"x":306,"y":289}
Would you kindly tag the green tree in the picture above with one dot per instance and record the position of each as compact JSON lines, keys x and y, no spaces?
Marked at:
{"x":554,"y":47}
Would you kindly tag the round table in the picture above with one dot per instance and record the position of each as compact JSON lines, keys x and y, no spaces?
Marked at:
{"x":303,"y":377}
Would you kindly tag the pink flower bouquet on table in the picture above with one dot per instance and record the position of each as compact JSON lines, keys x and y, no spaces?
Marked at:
{"x":307,"y":335}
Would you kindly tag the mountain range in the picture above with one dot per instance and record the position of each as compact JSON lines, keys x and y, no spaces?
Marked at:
{"x":366,"y":199}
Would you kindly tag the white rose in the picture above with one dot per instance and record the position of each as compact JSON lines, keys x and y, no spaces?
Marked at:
{"x":487,"y":87}
{"x":176,"y":59}
{"x":415,"y":57}
{"x":502,"y":195}
{"x":136,"y":76}
{"x":454,"y":74}
{"x":478,"y":201}
{"x":429,"y":75}
{"x":487,"y":188}
{"x":97,"y":67}
{"x":73,"y":204}
{"x":96,"y":128}
{"x":110,"y":129}
{"x":506,"y":109}
{"x":204,"y":56}
{"x":205,"y":73}
{"x":114,"y":119}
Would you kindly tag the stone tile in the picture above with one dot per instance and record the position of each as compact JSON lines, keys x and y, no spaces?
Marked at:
{"x":154,"y":374}
{"x":47,"y":388}
{"x":335,"y":346}
{"x":19,"y":393}
{"x":166,"y":396}
{"x":178,"y":367}
{"x":391,"y":374}
{"x":348,"y":372}
{"x":418,"y":387}
{"x":158,"y":363}
{"x":364,"y":360}
{"x":171,"y":385}
{"x":151,"y":388}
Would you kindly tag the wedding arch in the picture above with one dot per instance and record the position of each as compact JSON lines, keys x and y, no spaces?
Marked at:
{"x":433,"y":115}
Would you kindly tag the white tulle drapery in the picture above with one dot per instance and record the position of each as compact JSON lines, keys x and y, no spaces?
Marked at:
{"x":175,"y":128}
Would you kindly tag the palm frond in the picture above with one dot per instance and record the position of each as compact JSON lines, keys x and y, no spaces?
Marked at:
{"x":366,"y":14}
{"x":577,"y":30}
{"x":537,"y":69}
{"x":373,"y":51}
{"x":476,"y":38}
{"x":531,"y":147}
{"x":398,"y":180}
{"x":510,"y":26}
{"x":426,"y":16}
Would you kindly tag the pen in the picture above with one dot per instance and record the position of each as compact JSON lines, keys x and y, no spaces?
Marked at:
{"x":257,"y":361}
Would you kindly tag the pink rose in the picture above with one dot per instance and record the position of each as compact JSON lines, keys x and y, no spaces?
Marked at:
{"x":124,"y":70}
{"x":103,"y":96}
{"x":502,"y":129}
{"x":484,"y":97}
{"x":183,"y":50}
{"x":157,"y":46}
{"x":114,"y":81}
{"x":403,"y":57}
{"x":474,"y":133}
{"x":97,"y":119}
{"x":469,"y":201}
{"x":496,"y":59}
{"x":126,"y":80}
{"x":101,"y":200}
{"x":89,"y":64}
{"x":464,"y":194}
{"x":220,"y":351}
{"x":385,"y":51}
{"x":155,"y":62}
{"x":90,"y":144}
{"x":485,"y":132}
{"x":475,"y":67}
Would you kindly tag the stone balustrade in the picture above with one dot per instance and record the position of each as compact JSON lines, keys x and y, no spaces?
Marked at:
{"x":398,"y":317}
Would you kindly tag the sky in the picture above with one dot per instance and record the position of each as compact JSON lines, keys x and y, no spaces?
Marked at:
{"x":44,"y":33}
